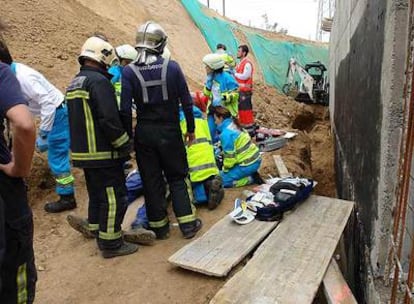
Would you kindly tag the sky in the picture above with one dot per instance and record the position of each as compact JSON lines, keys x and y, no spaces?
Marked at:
{"x":299,"y":17}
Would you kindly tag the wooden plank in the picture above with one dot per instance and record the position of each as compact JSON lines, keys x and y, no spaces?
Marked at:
{"x":280,"y":167}
{"x":335,"y":288}
{"x":289,"y":265}
{"x":222,"y":247}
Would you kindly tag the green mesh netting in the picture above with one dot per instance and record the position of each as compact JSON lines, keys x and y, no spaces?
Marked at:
{"x":214,"y":30}
{"x":272,"y":55}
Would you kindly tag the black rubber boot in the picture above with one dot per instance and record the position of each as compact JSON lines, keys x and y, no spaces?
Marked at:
{"x":162,"y":233}
{"x":124,"y":249}
{"x":65,"y":202}
{"x":189,"y":230}
{"x":215,"y":193}
{"x":81,"y":225}
{"x":139,"y":235}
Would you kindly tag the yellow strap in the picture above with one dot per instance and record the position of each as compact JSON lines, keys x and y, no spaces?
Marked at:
{"x":159,"y":224}
{"x":187,"y":218}
{"x":21,"y":281}
{"x":77,"y":94}
{"x":110,"y":194}
{"x":90,"y":127}
{"x":242,"y":182}
{"x":95,"y":156}
{"x":120,"y":140}
{"x":66,"y":180}
{"x":110,"y":236}
{"x":93,"y":227}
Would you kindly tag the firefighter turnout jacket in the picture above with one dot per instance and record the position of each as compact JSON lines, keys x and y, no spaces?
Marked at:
{"x":97,"y":135}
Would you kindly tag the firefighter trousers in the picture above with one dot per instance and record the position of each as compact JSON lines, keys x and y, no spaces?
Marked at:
{"x":18,"y":272}
{"x":160,"y":152}
{"x":107,"y":204}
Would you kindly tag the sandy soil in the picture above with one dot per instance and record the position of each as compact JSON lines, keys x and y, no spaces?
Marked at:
{"x":48,"y":34}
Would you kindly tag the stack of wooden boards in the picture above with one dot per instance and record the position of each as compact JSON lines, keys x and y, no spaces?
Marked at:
{"x":290,"y":262}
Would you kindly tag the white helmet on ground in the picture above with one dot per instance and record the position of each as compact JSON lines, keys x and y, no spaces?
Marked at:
{"x":99,"y":50}
{"x":152,"y":37}
{"x":126,"y":51}
{"x":214,"y":61}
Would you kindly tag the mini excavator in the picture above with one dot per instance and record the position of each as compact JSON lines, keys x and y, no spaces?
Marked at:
{"x":313,"y":87}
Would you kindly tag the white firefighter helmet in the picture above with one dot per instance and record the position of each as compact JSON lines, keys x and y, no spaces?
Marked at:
{"x":99,"y":50}
{"x":152,"y":37}
{"x":126,"y":51}
{"x":214,"y":61}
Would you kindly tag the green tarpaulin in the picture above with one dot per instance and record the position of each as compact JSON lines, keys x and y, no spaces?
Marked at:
{"x":272,"y":55}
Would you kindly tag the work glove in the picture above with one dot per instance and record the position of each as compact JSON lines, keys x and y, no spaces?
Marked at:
{"x":41,"y":141}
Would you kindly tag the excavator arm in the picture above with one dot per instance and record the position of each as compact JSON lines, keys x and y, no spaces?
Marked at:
{"x":306,"y":80}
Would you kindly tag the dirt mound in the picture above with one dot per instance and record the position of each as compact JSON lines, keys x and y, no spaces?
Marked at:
{"x":48,"y":34}
{"x":310,"y":153}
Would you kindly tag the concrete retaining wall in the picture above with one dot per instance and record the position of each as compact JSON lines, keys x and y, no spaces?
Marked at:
{"x":367,"y":64}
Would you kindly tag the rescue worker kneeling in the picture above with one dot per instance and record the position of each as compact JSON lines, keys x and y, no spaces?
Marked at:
{"x":100,"y":145}
{"x":241,"y":157}
{"x":207,"y":185}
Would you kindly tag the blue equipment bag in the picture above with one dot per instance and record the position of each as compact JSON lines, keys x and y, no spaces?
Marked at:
{"x":287,"y":193}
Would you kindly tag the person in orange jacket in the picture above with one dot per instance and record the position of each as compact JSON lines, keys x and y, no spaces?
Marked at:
{"x":244,"y":77}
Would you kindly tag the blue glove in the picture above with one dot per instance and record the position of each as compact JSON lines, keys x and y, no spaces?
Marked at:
{"x":209,"y":81}
{"x":41,"y":141}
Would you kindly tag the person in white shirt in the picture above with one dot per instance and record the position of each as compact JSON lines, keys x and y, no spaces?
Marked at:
{"x":47,"y":102}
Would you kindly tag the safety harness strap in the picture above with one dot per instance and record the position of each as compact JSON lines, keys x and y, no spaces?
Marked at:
{"x":152,"y":83}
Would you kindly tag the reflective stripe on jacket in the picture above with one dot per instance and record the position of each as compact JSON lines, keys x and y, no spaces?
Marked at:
{"x":237,"y":146}
{"x":117,"y":86}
